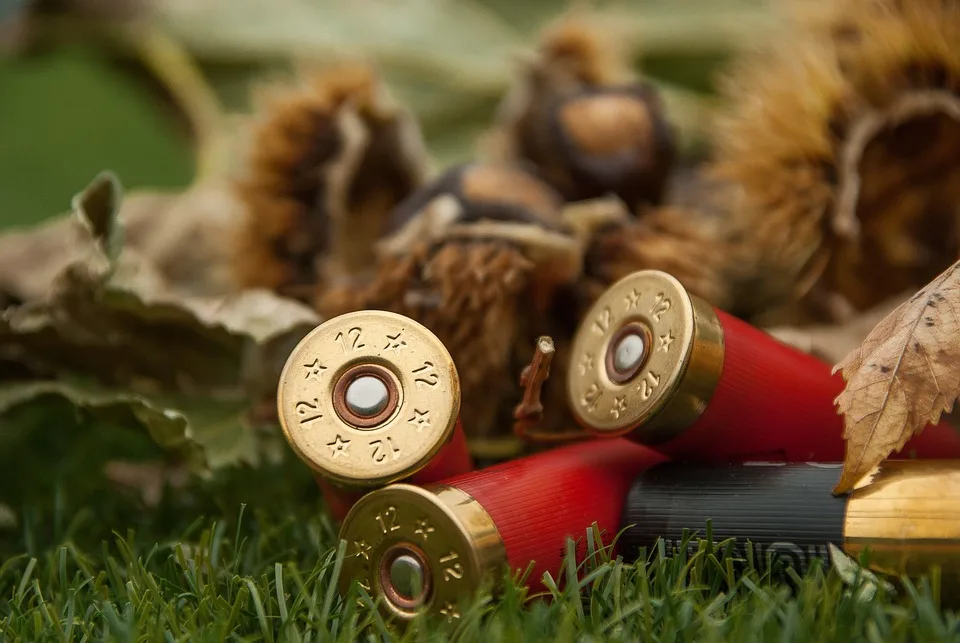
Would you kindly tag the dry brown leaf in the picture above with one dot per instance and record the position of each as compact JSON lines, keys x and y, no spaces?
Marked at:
{"x":111,"y":331}
{"x":903,"y":376}
{"x":110,"y":314}
{"x":179,"y":234}
{"x":182,"y":235}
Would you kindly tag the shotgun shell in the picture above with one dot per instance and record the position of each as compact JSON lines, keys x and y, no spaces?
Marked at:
{"x":427,"y":549}
{"x":656,"y":364}
{"x":369,"y":398}
{"x":905,"y":512}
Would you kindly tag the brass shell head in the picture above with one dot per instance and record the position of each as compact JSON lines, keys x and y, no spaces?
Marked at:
{"x":368,"y":398}
{"x":907,"y":514}
{"x":646,"y":358}
{"x":439,"y":534}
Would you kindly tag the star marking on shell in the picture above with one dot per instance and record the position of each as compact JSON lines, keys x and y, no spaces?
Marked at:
{"x":420,"y":419}
{"x":619,"y":406}
{"x":632,"y":299}
{"x":338,"y":447}
{"x":424,"y":529}
{"x":664,"y":341}
{"x":395,"y":344}
{"x":450,"y":611}
{"x":363,"y":549}
{"x":314,"y":370}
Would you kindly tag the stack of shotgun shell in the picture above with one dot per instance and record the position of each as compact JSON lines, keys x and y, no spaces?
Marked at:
{"x":687,"y":415}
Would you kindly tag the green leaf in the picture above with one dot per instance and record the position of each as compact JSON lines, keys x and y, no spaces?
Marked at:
{"x":169,"y":428}
{"x":189,"y":367}
{"x":116,"y":319}
{"x":179,"y":235}
{"x":466,"y":43}
{"x":450,"y":61}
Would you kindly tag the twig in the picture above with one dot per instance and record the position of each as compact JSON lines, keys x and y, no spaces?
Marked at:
{"x":529,"y":412}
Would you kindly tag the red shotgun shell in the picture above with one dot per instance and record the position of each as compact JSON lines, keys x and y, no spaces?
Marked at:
{"x":425,"y":549}
{"x":370,"y":398}
{"x":656,"y":364}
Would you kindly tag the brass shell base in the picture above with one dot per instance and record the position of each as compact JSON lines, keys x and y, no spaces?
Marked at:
{"x":681,"y":368}
{"x":419,"y":419}
{"x":443,"y":528}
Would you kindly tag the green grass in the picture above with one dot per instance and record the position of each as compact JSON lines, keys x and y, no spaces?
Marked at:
{"x":251,"y":556}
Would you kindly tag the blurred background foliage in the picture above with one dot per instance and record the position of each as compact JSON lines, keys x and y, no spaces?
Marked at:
{"x":157,"y":91}
{"x":152,"y":89}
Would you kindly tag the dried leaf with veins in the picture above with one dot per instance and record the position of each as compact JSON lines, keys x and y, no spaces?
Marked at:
{"x":101,"y":334}
{"x":903,"y":377}
{"x":179,"y":234}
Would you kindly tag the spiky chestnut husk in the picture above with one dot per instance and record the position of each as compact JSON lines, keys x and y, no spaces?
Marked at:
{"x":585,"y":122}
{"x":469,"y":293}
{"x":843,"y":139}
{"x":688,"y":244}
{"x":477,"y":256}
{"x":576,"y":51}
{"x":328,"y":161}
{"x":489,"y":200}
